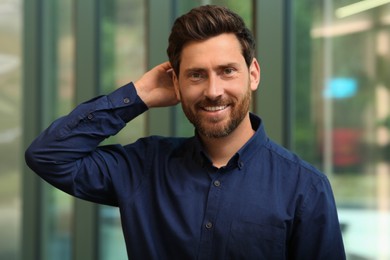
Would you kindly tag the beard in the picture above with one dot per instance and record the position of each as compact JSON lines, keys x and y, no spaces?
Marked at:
{"x":216,"y":127}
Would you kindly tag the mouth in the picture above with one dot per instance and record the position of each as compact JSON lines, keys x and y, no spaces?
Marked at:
{"x":214,"y":108}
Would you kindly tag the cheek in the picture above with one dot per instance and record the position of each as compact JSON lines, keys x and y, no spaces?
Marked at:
{"x":239,"y":89}
{"x":190,"y":93}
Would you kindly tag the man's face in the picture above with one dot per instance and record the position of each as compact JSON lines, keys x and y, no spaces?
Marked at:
{"x":215,"y":84}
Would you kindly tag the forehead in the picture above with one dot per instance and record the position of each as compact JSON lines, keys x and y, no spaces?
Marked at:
{"x":221,"y":49}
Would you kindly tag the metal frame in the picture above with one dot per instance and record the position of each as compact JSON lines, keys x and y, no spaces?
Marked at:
{"x":272,"y":99}
{"x":31,"y":208}
{"x":159,"y":18}
{"x":87,"y":85}
{"x":39,"y":77}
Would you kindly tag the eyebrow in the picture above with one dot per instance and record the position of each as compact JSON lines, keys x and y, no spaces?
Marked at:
{"x":219,"y":67}
{"x":195,"y":69}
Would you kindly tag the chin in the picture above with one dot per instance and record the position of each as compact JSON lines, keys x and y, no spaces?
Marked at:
{"x":216,"y":131}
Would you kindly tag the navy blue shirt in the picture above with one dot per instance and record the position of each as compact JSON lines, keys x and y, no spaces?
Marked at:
{"x":266,"y":203}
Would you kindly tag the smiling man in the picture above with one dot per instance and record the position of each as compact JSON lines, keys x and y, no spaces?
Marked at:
{"x":214,"y":87}
{"x":228,"y":192}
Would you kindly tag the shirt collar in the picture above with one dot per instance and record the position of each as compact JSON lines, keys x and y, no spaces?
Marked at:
{"x":244,"y":154}
{"x":257,"y":140}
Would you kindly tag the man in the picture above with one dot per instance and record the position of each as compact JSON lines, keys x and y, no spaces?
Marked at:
{"x":228,"y":192}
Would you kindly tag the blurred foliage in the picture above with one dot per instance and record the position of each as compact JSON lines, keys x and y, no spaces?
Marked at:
{"x":385,"y":122}
{"x":242,"y":7}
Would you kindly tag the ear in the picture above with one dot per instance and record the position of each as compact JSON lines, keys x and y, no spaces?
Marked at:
{"x":254,"y":74}
{"x":175,"y":80}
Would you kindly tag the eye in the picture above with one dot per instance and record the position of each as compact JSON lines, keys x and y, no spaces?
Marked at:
{"x":229,"y":71}
{"x":195,"y":76}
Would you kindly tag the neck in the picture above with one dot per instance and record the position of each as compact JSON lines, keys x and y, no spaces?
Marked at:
{"x":222,"y":149}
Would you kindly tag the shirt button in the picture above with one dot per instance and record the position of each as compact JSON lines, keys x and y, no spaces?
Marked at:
{"x":90,"y":116}
{"x":209,"y":225}
{"x":240,"y":165}
{"x":217,"y":183}
{"x":126,"y":100}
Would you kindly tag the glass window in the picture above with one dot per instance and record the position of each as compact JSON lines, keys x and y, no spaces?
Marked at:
{"x":10,"y":127}
{"x":123,"y":54}
{"x":341,"y":113}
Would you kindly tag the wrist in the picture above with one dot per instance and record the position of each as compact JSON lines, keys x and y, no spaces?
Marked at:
{"x":141,"y":93}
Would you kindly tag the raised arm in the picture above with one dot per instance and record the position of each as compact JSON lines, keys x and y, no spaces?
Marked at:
{"x":67,"y":155}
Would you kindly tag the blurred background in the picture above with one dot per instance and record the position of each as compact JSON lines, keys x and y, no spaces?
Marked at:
{"x":324,"y":93}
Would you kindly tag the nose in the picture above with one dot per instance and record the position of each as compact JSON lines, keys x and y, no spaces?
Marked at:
{"x":214,"y":87}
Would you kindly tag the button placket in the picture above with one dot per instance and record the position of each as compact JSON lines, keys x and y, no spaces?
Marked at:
{"x":209,"y":224}
{"x":211,"y":212}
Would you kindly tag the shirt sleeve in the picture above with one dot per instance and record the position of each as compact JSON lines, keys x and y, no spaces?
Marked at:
{"x":317,"y":233}
{"x":67,"y":155}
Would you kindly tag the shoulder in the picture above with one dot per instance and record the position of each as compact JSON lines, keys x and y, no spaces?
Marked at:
{"x":300,"y":179}
{"x":292,"y":165}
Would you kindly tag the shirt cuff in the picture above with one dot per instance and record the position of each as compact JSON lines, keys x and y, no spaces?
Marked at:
{"x":126,"y":102}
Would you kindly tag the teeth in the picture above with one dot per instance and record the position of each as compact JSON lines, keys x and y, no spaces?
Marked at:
{"x":215,"y":108}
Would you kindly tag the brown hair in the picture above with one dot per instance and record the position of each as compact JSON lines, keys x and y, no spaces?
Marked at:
{"x":204,"y":22}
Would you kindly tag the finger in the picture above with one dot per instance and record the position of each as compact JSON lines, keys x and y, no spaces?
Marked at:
{"x":166,"y":66}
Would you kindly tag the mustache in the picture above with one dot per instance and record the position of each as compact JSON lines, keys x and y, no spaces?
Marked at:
{"x":208,"y":102}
